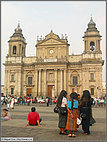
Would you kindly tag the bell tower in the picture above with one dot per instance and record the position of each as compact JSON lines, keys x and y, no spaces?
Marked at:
{"x":17,"y":43}
{"x":92,"y":38}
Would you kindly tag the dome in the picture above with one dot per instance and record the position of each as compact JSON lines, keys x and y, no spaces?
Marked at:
{"x":17,"y":35}
{"x":18,"y":29}
{"x":91,"y":24}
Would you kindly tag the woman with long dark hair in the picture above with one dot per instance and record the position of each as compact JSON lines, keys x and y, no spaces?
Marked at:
{"x":85,"y":111}
{"x":62,"y":103}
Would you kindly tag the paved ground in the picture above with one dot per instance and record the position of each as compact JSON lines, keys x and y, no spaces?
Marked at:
{"x":49,"y":130}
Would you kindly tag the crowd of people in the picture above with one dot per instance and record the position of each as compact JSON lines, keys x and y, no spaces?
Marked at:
{"x":10,"y":100}
{"x":99,"y":102}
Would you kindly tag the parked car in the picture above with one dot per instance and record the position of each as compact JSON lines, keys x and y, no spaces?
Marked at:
{"x":39,"y":100}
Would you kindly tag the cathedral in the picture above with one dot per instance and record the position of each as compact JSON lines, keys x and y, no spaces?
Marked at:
{"x":52,"y":68}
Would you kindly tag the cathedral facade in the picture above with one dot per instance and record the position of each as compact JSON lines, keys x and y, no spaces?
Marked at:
{"x":53,"y":69}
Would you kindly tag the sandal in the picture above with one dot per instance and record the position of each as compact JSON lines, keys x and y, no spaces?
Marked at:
{"x":69,"y":135}
{"x":73,"y":135}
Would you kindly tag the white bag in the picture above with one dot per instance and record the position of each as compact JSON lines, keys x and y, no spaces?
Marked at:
{"x":78,"y":121}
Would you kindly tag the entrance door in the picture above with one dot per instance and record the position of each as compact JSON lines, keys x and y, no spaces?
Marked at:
{"x":29,"y":91}
{"x":50,"y":90}
{"x":72,"y":89}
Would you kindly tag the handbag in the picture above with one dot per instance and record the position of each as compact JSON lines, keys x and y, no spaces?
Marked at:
{"x":63,"y":110}
{"x":56,"y":109}
{"x":83,"y":115}
{"x":78,"y":121}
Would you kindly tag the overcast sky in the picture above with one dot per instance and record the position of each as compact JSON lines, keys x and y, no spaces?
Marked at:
{"x":38,"y":18}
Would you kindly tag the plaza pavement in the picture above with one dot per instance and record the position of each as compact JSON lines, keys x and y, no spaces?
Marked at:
{"x":49,"y":130}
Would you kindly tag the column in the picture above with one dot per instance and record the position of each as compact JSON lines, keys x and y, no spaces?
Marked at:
{"x":85,"y":45}
{"x":99,"y":45}
{"x":96,"y":47}
{"x":88,"y":48}
{"x":36,"y":81}
{"x":61,"y":79}
{"x":9,"y":50}
{"x":45,"y":87}
{"x":39,"y":87}
{"x":65,"y":79}
{"x":56,"y":82}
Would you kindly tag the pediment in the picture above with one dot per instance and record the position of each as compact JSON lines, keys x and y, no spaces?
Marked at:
{"x":51,"y":41}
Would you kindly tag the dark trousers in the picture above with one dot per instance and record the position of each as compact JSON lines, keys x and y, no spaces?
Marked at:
{"x":36,"y":123}
{"x":47,"y":104}
{"x":85,"y":125}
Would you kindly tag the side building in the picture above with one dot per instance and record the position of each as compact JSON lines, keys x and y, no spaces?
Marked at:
{"x":53,"y":69}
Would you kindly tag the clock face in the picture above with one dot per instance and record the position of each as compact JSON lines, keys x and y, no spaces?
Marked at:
{"x":51,"y":51}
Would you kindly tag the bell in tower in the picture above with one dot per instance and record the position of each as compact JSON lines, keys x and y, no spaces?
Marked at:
{"x":92,"y":38}
{"x":17,"y":43}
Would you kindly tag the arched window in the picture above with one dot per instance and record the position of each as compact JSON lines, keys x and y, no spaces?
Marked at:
{"x":75,"y":80}
{"x":92,"y":46}
{"x":14,"y":49}
{"x":29,"y":80}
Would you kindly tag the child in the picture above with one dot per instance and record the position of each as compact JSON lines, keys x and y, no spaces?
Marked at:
{"x":6,"y":115}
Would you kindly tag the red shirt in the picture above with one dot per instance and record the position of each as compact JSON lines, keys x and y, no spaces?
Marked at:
{"x":33,"y":117}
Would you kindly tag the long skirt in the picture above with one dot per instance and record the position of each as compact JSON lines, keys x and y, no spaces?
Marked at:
{"x":62,"y":120}
{"x":86,"y":125}
{"x":72,"y":121}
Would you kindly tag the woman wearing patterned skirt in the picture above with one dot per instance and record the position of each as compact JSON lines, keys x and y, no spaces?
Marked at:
{"x":72,"y":115}
{"x":62,"y":103}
